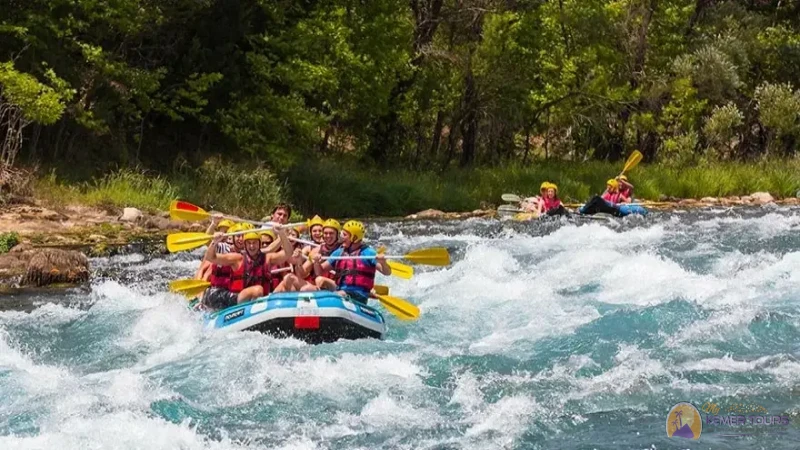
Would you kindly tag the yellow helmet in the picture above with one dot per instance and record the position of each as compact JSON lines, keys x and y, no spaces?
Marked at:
{"x":332,"y":223}
{"x":269,"y":233}
{"x":314,"y":221}
{"x":247,"y":226}
{"x":544,"y":186}
{"x":356,"y":230}
{"x":553,"y":186}
{"x":235,"y":227}
{"x":613,"y":183}
{"x":251,"y":235}
{"x":226,"y":223}
{"x":623,"y":178}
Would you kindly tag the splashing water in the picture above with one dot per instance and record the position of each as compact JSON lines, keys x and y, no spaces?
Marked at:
{"x":545,"y":335}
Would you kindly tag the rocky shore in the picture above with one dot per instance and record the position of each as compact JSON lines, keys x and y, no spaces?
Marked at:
{"x":55,"y":246}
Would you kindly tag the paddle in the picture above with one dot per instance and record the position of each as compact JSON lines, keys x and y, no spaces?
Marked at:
{"x":399,"y":307}
{"x":381,"y":290}
{"x":399,"y":270}
{"x":509,"y":209}
{"x":632,"y":161}
{"x":178,"y":242}
{"x":436,"y":256}
{"x":512,"y":198}
{"x":180,"y":210}
{"x":191,"y":285}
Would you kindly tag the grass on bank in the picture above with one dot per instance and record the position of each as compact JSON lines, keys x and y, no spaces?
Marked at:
{"x":341,"y":190}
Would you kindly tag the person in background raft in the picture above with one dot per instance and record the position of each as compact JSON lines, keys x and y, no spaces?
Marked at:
{"x":534,"y":204}
{"x":605,"y":203}
{"x":611,"y":195}
{"x":354,"y":277}
{"x":550,"y":203}
{"x":625,"y":189}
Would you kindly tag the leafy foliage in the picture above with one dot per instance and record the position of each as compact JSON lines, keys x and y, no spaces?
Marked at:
{"x":8,"y":241}
{"x":416,"y":84}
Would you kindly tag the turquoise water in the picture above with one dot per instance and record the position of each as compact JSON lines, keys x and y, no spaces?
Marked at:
{"x":549,"y":335}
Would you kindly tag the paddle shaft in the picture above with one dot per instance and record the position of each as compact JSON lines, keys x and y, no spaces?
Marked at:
{"x":266,"y":227}
{"x":332,"y":258}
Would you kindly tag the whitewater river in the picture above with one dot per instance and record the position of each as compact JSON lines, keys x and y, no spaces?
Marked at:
{"x":539,"y":335}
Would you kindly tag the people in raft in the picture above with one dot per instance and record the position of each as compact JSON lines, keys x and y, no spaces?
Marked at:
{"x":264,"y":261}
{"x":550,"y":204}
{"x":618,"y":190}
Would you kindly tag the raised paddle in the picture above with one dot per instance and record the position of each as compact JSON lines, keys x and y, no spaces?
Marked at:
{"x":181,"y":210}
{"x":632,"y":161}
{"x":178,"y":242}
{"x":399,"y":270}
{"x":436,"y":256}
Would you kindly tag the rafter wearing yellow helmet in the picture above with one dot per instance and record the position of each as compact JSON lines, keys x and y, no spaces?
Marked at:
{"x":315,"y":226}
{"x":355,"y":277}
{"x":250,"y":275}
{"x":625,"y":189}
{"x":551,"y":204}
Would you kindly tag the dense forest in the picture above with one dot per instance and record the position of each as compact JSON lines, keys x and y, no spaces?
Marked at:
{"x":417,"y":84}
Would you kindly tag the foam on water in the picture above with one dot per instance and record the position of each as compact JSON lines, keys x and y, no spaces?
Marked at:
{"x":537,"y":336}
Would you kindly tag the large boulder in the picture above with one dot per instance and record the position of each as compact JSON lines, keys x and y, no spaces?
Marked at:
{"x":52,"y":266}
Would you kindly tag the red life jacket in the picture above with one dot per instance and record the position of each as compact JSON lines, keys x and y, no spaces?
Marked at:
{"x":611,"y":197}
{"x":355,"y":272}
{"x":252,"y":273}
{"x":324,"y":250}
{"x":625,"y":193}
{"x":221,"y":277}
{"x":551,"y":204}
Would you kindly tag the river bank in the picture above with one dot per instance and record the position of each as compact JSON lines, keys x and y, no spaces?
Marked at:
{"x":81,"y":231}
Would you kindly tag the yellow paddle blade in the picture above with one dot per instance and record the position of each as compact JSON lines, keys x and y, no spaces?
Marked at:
{"x":398,"y":313}
{"x":521,"y":217}
{"x":193,"y":293}
{"x":179,"y":242}
{"x":633,"y":160}
{"x":401,"y":270}
{"x":437,"y":256}
{"x":186,"y":284}
{"x":180,"y":210}
{"x":399,"y":307}
{"x":381,"y":290}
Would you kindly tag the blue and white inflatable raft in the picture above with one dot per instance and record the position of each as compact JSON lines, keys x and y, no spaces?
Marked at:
{"x":599,"y":206}
{"x":314,"y":317}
